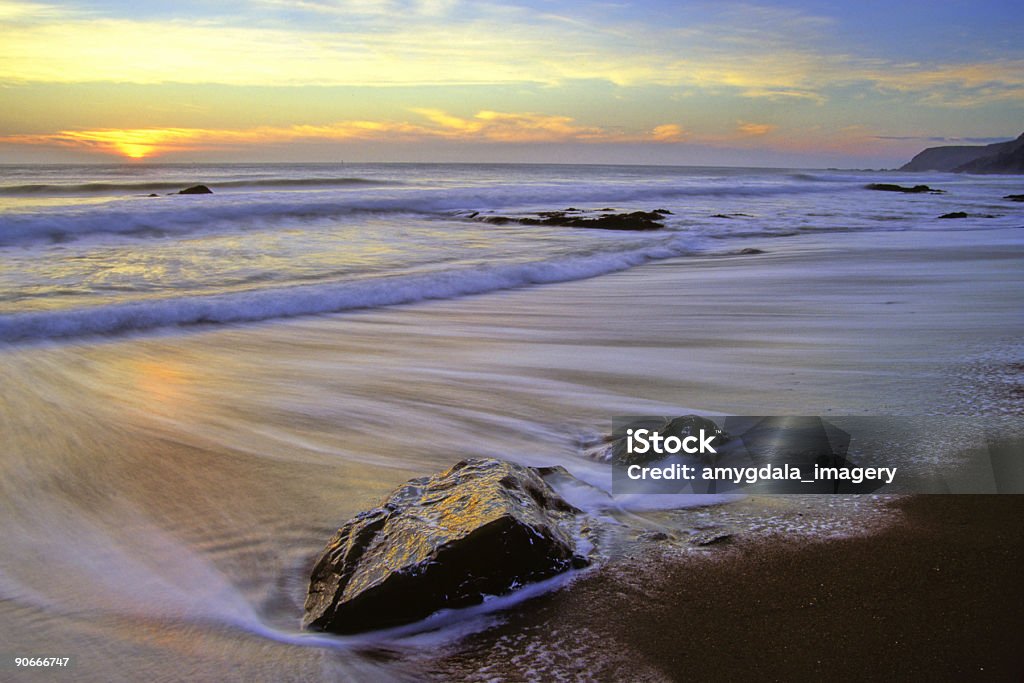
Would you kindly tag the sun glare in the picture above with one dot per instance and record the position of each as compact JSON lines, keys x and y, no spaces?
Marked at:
{"x":134,"y":151}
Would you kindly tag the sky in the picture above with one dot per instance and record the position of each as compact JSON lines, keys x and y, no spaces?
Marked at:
{"x":796,"y":83}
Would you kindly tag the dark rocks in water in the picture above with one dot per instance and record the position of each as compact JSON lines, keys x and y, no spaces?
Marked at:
{"x":750,"y":250}
{"x":962,"y":214}
{"x":730,"y":215}
{"x":152,"y":195}
{"x":484,"y":527}
{"x":637,"y":220}
{"x":888,"y":187}
{"x":1015,"y":197}
{"x":197,"y":189}
{"x":663,"y":212}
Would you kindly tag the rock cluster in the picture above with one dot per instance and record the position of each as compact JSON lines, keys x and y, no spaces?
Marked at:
{"x":575,"y":218}
{"x":916,"y":189}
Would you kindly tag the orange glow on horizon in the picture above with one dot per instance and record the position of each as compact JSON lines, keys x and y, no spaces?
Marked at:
{"x":137,"y":144}
{"x":484,"y":126}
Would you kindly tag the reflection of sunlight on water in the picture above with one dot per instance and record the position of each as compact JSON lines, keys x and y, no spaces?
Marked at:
{"x":161,"y":383}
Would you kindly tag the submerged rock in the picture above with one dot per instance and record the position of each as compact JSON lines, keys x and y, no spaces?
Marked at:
{"x":197,"y":189}
{"x":1015,"y":197}
{"x":484,"y":527}
{"x":916,"y":189}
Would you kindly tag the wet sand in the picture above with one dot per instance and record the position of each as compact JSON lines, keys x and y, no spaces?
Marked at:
{"x":936,"y":595}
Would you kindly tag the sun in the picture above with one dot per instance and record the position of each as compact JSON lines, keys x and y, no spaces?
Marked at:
{"x":133,"y":150}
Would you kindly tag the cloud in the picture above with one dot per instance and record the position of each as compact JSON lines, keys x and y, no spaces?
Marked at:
{"x":745,"y":49}
{"x":755,"y":129}
{"x":668,"y":132}
{"x":495,"y":126}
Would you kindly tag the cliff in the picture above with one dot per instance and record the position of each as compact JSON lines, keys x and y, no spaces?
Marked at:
{"x":1001,"y":157}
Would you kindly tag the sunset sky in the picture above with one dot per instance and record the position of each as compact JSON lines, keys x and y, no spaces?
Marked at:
{"x":799,"y":83}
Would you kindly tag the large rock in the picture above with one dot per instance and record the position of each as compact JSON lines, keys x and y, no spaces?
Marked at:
{"x":484,"y":527}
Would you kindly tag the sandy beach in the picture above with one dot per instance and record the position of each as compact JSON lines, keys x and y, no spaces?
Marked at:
{"x":165,"y":494}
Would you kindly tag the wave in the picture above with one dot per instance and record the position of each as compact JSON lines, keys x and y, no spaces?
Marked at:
{"x":153,"y":186}
{"x":160,"y":217}
{"x":179,"y":219}
{"x":287,"y":302}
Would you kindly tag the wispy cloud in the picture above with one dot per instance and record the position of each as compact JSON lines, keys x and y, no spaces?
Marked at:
{"x":668,"y":132}
{"x":496,"y":126}
{"x":746,"y":49}
{"x":755,"y":129}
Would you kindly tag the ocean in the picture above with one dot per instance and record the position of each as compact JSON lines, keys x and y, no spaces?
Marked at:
{"x":88,"y":251}
{"x":198,"y":389}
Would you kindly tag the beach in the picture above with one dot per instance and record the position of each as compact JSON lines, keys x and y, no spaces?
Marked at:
{"x":165,"y":490}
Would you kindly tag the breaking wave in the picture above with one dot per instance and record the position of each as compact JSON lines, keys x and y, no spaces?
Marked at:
{"x":286,"y":302}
